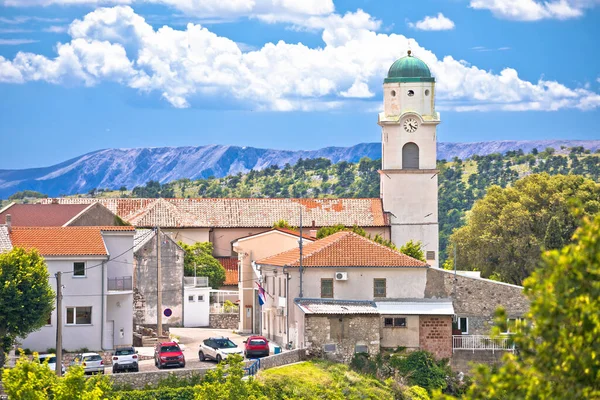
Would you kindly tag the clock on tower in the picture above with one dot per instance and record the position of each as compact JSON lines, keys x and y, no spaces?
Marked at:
{"x":409,"y":184}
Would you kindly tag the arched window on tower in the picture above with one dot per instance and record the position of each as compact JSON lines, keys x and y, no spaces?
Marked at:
{"x":410,"y":156}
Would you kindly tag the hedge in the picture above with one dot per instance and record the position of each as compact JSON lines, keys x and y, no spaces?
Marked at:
{"x":183,"y":393}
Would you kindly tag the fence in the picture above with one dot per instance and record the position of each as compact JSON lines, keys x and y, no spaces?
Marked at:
{"x":120,"y":283}
{"x":482,"y":342}
{"x":253,"y":368}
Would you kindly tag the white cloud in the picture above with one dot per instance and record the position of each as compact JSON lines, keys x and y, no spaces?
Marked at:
{"x":534,"y":10}
{"x":486,"y":49}
{"x":16,"y":42}
{"x":183,"y":66}
{"x":437,"y":23}
{"x":21,"y":19}
{"x":55,"y":29}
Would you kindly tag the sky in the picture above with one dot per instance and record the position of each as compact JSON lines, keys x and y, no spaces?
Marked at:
{"x":82,"y":75}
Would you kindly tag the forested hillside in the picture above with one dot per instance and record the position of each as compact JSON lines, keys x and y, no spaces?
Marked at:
{"x":461,"y":182}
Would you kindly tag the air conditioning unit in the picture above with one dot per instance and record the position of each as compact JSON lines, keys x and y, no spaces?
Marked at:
{"x":279,"y":312}
{"x":341,"y":276}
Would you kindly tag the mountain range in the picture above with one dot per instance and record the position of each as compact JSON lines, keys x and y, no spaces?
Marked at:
{"x":113,"y":168}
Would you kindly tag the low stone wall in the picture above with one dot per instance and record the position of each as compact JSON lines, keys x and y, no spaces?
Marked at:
{"x":224,"y":321}
{"x":140,"y":380}
{"x":288,"y":357}
{"x":464,"y":360}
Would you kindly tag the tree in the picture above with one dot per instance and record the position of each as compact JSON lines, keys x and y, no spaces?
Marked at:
{"x":505,"y":230}
{"x":559,"y":350}
{"x":26,"y":297}
{"x":414,"y":250}
{"x":554,"y":237}
{"x":199,"y":260}
{"x":283,"y":224}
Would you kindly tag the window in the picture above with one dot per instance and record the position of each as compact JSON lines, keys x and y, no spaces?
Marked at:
{"x":426,"y":92}
{"x":279,"y":281}
{"x":411,"y":93}
{"x":361,"y":348}
{"x":329,"y":348}
{"x":430,"y":255}
{"x":79,"y":269}
{"x":327,"y":288}
{"x":191,"y":299}
{"x":463,"y":324}
{"x":393,"y":93}
{"x":398,"y":322}
{"x":200,"y":297}
{"x":379,"y":287}
{"x":79,"y":315}
{"x":512,"y":325}
{"x":410,"y":156}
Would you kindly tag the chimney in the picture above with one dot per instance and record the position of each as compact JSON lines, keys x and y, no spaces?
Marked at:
{"x":313,"y":233}
{"x":54,"y":201}
{"x":8,"y":222}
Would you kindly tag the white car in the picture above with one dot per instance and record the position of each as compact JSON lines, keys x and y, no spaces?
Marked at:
{"x":51,"y":361}
{"x":92,"y":363}
{"x":218,"y":349}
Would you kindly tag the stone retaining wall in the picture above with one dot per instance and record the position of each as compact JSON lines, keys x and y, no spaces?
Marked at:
{"x":224,"y":321}
{"x":462,"y":360}
{"x":288,"y":357}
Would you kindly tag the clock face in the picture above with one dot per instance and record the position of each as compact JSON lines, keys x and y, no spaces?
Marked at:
{"x":411,"y":125}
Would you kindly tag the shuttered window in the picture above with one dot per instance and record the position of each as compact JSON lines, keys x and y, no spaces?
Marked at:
{"x":410,"y":156}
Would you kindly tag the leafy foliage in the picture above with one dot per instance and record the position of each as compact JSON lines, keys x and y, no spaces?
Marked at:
{"x":179,"y":393}
{"x":413,"y":249}
{"x":27,"y":194}
{"x":421,"y":369}
{"x":26,"y":297}
{"x":199,"y":260}
{"x":153,"y":189}
{"x":282,"y":224}
{"x":559,"y":349}
{"x":507,"y":229}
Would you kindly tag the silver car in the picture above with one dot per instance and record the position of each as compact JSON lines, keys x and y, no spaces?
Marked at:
{"x":92,"y":363}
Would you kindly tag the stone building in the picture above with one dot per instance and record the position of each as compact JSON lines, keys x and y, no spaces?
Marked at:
{"x":145,"y":279}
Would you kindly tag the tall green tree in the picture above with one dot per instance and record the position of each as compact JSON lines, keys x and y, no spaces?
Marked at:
{"x":413,"y":249}
{"x":26,"y":297}
{"x":553,"y":239}
{"x":559,"y":350}
{"x":199,"y":260}
{"x":505,"y":230}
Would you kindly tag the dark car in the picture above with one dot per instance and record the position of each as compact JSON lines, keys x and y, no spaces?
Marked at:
{"x":168,"y":354}
{"x":125,"y":359}
{"x":256,"y":346}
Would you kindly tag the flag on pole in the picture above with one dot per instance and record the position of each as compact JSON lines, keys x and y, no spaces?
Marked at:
{"x":261,"y":294}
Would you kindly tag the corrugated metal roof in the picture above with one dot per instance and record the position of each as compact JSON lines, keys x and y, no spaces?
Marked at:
{"x":441,"y":307}
{"x":321,"y":306}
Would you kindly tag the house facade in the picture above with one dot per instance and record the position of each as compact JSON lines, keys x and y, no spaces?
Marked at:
{"x":97,"y":267}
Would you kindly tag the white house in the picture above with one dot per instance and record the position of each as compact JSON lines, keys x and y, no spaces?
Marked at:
{"x":97,"y":267}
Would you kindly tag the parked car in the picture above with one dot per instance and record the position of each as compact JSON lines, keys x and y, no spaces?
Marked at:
{"x":92,"y":363}
{"x":256,"y":346}
{"x":218,"y":349}
{"x":51,"y":361}
{"x":168,"y":354}
{"x":125,"y":359}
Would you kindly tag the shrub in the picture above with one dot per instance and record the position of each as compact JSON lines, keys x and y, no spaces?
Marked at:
{"x":180,"y":393}
{"x":420,"y":368}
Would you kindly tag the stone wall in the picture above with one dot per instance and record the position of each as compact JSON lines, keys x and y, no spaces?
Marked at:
{"x":139,"y":380}
{"x":97,"y":215}
{"x":476,"y":298}
{"x":463,"y":360}
{"x":287,"y":357}
{"x":343,"y":331}
{"x":435,"y":335}
{"x":224,"y":321}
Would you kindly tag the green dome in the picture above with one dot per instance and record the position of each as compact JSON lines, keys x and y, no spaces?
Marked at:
{"x":409,"y":69}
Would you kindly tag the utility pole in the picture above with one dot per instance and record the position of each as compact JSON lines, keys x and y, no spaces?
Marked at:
{"x":59,"y":323}
{"x":158,"y":284}
{"x":300,"y":243}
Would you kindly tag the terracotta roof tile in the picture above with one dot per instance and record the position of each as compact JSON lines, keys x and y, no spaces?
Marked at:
{"x":41,"y":214}
{"x":343,"y":249}
{"x":229,"y":213}
{"x":5,"y":243}
{"x":60,"y":241}
{"x":231,"y":269}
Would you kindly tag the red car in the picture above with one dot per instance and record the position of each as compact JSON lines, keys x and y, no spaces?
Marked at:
{"x":168,"y":354}
{"x":256,"y":346}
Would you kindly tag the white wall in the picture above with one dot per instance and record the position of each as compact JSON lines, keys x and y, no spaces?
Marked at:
{"x":396,"y":99}
{"x":196,"y":313}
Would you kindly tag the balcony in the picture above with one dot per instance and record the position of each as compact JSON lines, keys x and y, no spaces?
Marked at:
{"x":482,"y":342}
{"x":120,"y":284}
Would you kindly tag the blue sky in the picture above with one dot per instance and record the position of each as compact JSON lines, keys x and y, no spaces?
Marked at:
{"x":81,"y":75}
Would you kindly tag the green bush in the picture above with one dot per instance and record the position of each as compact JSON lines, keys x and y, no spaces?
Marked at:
{"x":180,"y":393}
{"x":173,"y":381}
{"x":421,"y":369}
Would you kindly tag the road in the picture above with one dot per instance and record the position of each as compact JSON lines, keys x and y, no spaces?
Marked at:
{"x":189,"y":341}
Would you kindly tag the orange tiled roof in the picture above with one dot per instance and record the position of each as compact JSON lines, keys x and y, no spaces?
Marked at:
{"x":231,"y":213}
{"x":41,"y":214}
{"x":61,"y":241}
{"x":231,"y":269}
{"x":343,"y":249}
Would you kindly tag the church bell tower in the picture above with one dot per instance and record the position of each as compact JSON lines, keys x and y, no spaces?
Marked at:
{"x":409,"y":180}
